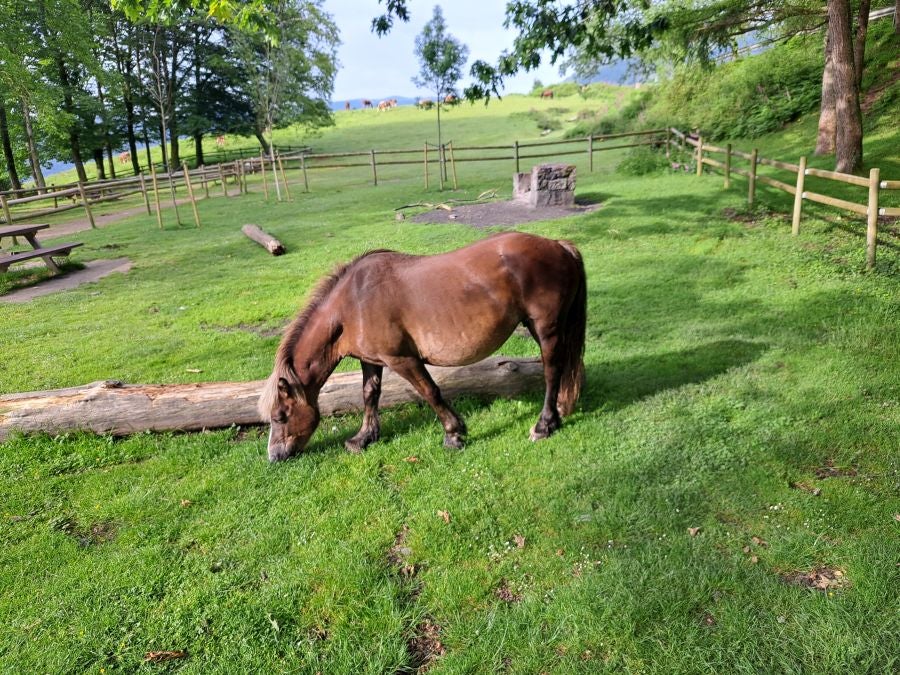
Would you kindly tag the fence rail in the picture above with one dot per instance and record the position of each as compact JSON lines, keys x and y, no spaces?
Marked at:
{"x":873,"y":182}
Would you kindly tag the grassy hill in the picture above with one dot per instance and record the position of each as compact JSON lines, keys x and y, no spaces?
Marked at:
{"x":724,"y":499}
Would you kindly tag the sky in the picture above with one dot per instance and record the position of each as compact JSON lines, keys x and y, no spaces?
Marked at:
{"x":373,"y":67}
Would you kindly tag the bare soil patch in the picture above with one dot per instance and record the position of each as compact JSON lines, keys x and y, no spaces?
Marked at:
{"x":425,"y":646}
{"x":820,"y":579}
{"x":505,"y":213}
{"x":96,"y":533}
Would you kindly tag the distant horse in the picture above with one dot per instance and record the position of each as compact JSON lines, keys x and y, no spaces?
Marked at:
{"x":384,"y":105}
{"x":450,"y":99}
{"x":403,"y":311}
{"x":220,"y":141}
{"x":124,"y":157}
{"x":547,"y":93}
{"x":347,"y":105}
{"x":425,"y":104}
{"x":367,"y":103}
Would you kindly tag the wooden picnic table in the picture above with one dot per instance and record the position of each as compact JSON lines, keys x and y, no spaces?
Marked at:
{"x":29,"y":232}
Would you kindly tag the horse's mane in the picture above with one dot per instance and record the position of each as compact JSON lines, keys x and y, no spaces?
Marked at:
{"x":284,"y":364}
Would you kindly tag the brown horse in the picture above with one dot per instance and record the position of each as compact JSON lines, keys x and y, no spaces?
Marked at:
{"x":547,"y":93}
{"x":403,"y":311}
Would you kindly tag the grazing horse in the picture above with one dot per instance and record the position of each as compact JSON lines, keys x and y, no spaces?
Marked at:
{"x":367,"y":103}
{"x":403,"y":311}
{"x":124,"y":157}
{"x":547,"y":93}
{"x":425,"y":104}
{"x":347,"y":105}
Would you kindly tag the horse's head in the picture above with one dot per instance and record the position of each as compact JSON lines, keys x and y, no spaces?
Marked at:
{"x":293,"y":418}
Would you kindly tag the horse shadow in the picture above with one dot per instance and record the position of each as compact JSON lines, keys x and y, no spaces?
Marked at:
{"x":610,"y":386}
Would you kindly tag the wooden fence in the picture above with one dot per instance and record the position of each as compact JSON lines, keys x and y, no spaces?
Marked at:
{"x":446,"y":158}
{"x":873,"y":182}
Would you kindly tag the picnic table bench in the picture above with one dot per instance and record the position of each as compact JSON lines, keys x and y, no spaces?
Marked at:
{"x":29,"y":233}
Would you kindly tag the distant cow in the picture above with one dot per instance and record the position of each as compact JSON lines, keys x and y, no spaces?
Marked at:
{"x":367,"y":103}
{"x":124,"y":157}
{"x":547,"y":93}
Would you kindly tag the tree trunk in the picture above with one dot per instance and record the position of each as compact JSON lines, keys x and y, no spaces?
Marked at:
{"x":175,"y":155}
{"x":260,"y":136}
{"x":859,"y":44}
{"x":827,"y":119}
{"x":848,"y":139}
{"x":33,"y":158}
{"x":106,"y":142}
{"x":264,"y":239}
{"x":198,"y":147}
{"x":111,"y":407}
{"x":8,"y":155}
{"x":69,"y":107}
{"x":98,"y":162}
{"x":132,"y":140}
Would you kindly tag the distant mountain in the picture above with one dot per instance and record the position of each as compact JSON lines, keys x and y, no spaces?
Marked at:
{"x":357,"y":103}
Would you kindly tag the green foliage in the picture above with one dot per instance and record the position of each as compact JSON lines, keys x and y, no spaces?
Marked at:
{"x":628,"y":117}
{"x":542,"y":118}
{"x":441,"y":57}
{"x":743,"y":98}
{"x":642,"y":161}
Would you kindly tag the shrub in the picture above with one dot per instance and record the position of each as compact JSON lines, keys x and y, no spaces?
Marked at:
{"x":643,"y":160}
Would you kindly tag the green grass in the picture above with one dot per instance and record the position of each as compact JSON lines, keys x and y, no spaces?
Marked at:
{"x":725,"y":362}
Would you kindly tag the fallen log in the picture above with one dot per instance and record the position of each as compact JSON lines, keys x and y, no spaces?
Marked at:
{"x":111,"y":407}
{"x":264,"y":239}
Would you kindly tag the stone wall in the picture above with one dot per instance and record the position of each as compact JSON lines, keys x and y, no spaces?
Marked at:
{"x":546,"y":185}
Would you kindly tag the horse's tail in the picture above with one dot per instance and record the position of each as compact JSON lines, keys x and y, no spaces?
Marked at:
{"x":573,"y":339}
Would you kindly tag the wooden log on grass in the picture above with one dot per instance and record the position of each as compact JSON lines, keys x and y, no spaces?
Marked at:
{"x":111,"y":407}
{"x":264,"y":239}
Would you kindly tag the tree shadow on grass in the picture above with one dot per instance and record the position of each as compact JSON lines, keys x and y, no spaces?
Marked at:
{"x":615,"y":384}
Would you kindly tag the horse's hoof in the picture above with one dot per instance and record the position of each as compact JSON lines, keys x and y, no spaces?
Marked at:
{"x":454,"y":441}
{"x":536,"y":435}
{"x":354,"y":446}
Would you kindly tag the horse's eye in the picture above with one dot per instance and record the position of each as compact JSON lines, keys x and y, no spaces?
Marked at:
{"x":280,"y":417}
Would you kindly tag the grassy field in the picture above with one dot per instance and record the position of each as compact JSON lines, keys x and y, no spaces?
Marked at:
{"x":725,"y":499}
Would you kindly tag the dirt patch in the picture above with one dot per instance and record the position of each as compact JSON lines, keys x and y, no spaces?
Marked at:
{"x":425,"y":646}
{"x":505,"y":213}
{"x":103,"y":219}
{"x":262,"y":330}
{"x":398,"y":555}
{"x":97,"y":533}
{"x":820,"y":579}
{"x":829,"y":470}
{"x":506,"y":594}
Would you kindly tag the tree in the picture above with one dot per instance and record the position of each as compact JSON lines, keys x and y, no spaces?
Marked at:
{"x":288,"y":72}
{"x":441,"y":57}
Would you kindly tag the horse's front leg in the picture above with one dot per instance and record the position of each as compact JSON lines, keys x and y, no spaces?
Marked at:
{"x":371,"y":428}
{"x":413,"y":371}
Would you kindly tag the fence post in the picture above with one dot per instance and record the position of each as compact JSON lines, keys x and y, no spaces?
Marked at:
{"x":798,"y":197}
{"x":87,"y":207}
{"x":156,"y":196}
{"x":426,"y":165}
{"x":374,"y":170}
{"x":287,"y":190}
{"x":872,"y":219}
{"x":751,"y":182}
{"x":452,"y":164}
{"x":6,"y":213}
{"x":668,"y":154}
{"x":700,"y":155}
{"x":305,"y":179}
{"x":728,"y":166}
{"x":516,"y":151}
{"x":190,"y":189}
{"x":55,"y":199}
{"x":222,"y":180}
{"x":441,"y":167}
{"x":590,"y":152}
{"x":144,"y":192}
{"x":205,"y":175}
{"x":262,"y":170}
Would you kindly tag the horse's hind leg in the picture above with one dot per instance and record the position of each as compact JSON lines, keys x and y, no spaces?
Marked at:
{"x":371,"y":427}
{"x":413,"y":371}
{"x":547,"y":335}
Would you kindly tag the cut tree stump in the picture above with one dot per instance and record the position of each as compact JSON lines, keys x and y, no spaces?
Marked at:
{"x":264,"y":239}
{"x":119,"y":409}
